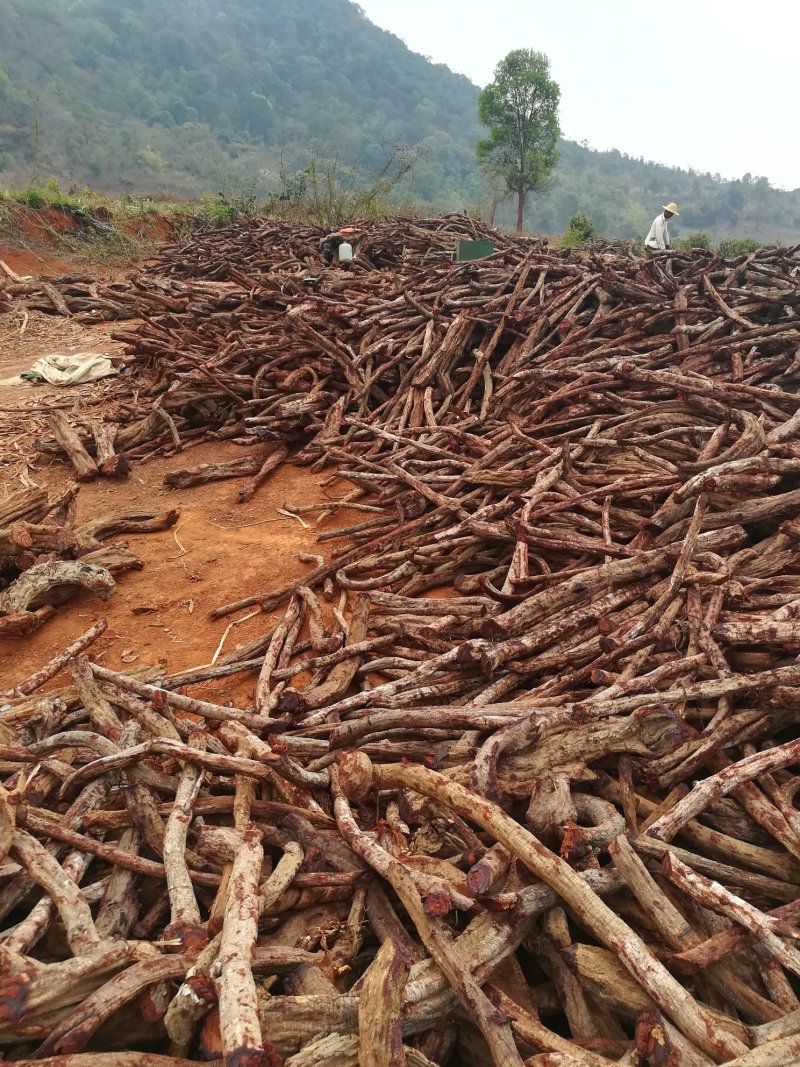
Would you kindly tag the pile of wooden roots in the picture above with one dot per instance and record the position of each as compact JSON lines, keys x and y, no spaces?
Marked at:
{"x":518,"y":782}
{"x":45,"y":557}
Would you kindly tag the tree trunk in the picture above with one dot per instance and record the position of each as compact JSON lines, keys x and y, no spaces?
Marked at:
{"x":520,"y":208}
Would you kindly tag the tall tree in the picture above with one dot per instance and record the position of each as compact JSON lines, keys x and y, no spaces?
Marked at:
{"x":520,"y":109}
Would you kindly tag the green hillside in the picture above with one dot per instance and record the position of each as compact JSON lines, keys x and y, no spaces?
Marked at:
{"x":203,"y":95}
{"x":184,"y":92}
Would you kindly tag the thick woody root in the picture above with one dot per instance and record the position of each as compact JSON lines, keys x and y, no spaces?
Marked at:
{"x":45,"y":558}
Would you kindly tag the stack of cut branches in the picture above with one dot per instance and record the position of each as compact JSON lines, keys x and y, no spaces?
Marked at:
{"x":518,"y":779}
{"x":288,"y":356}
{"x":255,"y":247}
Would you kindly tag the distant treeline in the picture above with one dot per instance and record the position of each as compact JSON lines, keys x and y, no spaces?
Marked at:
{"x":196,"y":95}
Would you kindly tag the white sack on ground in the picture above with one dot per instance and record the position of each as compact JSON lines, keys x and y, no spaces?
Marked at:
{"x":73,"y":369}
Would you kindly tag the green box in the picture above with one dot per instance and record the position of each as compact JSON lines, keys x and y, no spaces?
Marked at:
{"x":473,"y":249}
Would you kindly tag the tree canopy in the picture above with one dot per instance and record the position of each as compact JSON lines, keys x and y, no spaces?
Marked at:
{"x":520,"y":108}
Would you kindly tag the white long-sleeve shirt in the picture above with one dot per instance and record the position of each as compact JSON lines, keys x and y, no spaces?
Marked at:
{"x":658,"y":237}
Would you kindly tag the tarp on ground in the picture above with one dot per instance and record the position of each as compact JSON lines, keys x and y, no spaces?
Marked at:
{"x":74,"y":369}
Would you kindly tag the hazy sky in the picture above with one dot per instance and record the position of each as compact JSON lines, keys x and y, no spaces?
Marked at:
{"x":709,"y":84}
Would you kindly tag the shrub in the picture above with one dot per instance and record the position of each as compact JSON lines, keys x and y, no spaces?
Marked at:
{"x":696,"y":240}
{"x":34,"y":198}
{"x":738,"y":246}
{"x":149,"y":159}
{"x":581,"y":231}
{"x":219,"y":211}
{"x":328,"y":193}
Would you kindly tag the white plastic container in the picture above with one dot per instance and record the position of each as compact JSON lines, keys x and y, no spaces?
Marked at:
{"x":345,"y":252}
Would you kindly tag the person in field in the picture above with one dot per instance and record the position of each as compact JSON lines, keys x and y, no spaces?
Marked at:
{"x":657,"y":239}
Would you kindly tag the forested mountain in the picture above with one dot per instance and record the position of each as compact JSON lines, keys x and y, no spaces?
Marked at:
{"x":194,"y":95}
{"x":168,"y":92}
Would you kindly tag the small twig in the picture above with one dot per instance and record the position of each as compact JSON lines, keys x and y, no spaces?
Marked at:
{"x":228,"y":628}
{"x":243,"y":526}
{"x":59,"y":660}
{"x":289,"y":515}
{"x":183,"y":551}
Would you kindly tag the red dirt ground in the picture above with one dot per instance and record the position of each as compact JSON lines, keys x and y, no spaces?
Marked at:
{"x":218,"y":552}
{"x":38,"y":231}
{"x":44,"y":224}
{"x":33,"y":261}
{"x":149,"y":227}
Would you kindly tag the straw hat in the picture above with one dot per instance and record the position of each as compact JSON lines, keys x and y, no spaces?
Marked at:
{"x":673,"y":207}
